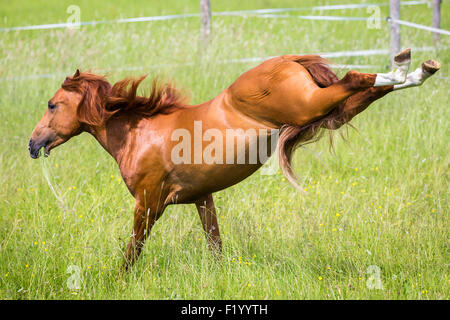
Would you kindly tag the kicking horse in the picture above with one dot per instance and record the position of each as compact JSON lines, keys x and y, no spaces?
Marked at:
{"x":297,"y":97}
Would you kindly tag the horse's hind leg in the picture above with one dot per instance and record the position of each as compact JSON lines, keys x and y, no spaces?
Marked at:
{"x":417,"y":77}
{"x":207,"y":212}
{"x":399,"y":72}
{"x":361,"y":100}
{"x":326,"y":99}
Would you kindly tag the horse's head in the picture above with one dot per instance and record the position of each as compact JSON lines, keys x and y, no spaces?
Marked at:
{"x":66,"y":115}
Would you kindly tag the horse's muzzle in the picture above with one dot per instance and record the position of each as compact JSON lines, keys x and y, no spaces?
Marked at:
{"x":34,"y":147}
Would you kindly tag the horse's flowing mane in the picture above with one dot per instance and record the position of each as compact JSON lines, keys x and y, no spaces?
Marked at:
{"x":101,"y":101}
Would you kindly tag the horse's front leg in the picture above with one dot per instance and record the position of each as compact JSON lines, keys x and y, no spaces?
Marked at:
{"x":144,"y":219}
{"x":207,"y":213}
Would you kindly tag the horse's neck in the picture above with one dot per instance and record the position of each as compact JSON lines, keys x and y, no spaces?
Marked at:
{"x":113,"y":137}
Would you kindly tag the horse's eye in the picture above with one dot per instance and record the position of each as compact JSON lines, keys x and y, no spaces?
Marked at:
{"x":51,"y":106}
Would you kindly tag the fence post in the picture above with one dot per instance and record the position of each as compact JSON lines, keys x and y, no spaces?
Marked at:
{"x":206,"y":19}
{"x":436,"y":19}
{"x":395,"y":28}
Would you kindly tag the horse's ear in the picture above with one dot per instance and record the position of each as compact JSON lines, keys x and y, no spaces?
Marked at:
{"x":76,"y":74}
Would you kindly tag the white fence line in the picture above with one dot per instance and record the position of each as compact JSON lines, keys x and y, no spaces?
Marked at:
{"x":320,"y":18}
{"x":192,"y":15}
{"x":160,"y":18}
{"x":94,"y":23}
{"x":366,"y":5}
{"x":340,"y":18}
{"x":337,"y":54}
{"x":420,"y":26}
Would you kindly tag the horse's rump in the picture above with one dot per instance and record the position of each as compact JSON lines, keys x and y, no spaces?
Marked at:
{"x":292,"y":137}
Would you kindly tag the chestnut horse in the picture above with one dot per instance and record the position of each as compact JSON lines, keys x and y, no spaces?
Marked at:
{"x":298,"y":95}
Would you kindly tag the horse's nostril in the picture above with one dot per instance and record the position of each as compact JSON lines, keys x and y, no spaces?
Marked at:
{"x":30,"y":143}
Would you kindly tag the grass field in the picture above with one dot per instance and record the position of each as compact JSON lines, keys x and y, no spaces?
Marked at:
{"x":379,"y":203}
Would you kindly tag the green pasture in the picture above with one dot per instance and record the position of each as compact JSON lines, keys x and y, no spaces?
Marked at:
{"x":374,"y":223}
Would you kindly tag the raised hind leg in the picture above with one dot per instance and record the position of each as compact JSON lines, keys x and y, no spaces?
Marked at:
{"x":294,"y":90}
{"x":359,"y":87}
{"x":398,"y":73}
{"x":358,"y":102}
{"x":207,"y":213}
{"x":361,"y":100}
{"x":418,"y":77}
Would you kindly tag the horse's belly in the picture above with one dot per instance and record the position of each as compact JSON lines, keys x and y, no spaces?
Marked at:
{"x":195,"y":181}
{"x":211,"y":159}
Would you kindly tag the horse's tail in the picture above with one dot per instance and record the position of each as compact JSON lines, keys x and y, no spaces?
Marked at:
{"x":292,"y":137}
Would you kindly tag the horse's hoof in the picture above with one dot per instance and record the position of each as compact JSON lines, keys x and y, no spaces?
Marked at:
{"x":403,"y":57}
{"x":431,"y":66}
